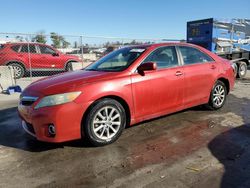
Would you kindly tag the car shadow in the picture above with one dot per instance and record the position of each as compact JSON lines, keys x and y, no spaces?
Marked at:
{"x":232,"y":149}
{"x":13,"y":135}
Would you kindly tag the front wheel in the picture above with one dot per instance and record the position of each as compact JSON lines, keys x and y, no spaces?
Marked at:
{"x":217,"y":96}
{"x":105,"y":122}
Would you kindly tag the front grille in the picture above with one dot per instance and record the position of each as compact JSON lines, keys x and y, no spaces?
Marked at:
{"x":30,"y":128}
{"x":27,"y":103}
{"x":27,"y":100}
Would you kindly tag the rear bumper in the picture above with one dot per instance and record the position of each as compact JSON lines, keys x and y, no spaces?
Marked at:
{"x":66,"y":118}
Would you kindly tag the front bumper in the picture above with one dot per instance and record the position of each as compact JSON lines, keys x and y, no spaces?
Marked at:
{"x":66,"y":118}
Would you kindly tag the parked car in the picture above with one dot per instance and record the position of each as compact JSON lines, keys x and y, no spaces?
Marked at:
{"x":123,"y":88}
{"x":38,"y":57}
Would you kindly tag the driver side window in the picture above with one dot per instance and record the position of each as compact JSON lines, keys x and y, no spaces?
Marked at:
{"x":46,"y":50}
{"x":164,"y":57}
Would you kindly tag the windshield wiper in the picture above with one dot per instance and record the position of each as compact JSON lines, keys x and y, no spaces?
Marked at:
{"x":91,"y":69}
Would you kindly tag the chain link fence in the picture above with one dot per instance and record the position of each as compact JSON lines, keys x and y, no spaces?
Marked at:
{"x":33,"y":56}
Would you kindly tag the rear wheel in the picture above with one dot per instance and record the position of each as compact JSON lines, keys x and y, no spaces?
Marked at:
{"x":105,"y":122}
{"x":217,"y":96}
{"x":242,"y":69}
{"x":18,"y":70}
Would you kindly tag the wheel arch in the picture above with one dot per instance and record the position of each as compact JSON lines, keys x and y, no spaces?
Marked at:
{"x":15,"y":61}
{"x":226,"y":82}
{"x":67,"y":62}
{"x":114,"y":97}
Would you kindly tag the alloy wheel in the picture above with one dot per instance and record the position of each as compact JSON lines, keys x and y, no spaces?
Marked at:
{"x":17,"y":71}
{"x":219,"y":95}
{"x":106,"y":122}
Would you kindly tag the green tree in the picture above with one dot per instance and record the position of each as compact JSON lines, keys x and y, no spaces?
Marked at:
{"x":56,"y":40}
{"x":133,"y":42}
{"x":40,"y":37}
{"x":65,"y":44}
{"x":19,"y":38}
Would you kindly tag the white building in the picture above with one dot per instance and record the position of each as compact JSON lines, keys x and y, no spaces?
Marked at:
{"x":5,"y":40}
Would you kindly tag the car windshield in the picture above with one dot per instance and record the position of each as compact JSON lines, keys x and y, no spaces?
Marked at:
{"x":118,"y":60}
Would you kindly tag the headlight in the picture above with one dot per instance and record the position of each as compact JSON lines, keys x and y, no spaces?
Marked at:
{"x":57,"y":99}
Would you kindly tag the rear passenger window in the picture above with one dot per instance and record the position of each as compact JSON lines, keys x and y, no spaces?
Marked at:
{"x":192,"y":56}
{"x":15,"y":48}
{"x":28,"y":48}
{"x":164,"y":57}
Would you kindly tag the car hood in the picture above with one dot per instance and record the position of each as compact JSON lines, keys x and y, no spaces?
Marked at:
{"x":65,"y":82}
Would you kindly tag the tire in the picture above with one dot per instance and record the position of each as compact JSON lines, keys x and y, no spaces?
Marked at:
{"x":69,"y":67}
{"x":217,"y":96}
{"x":101,"y":128}
{"x":18,"y":70}
{"x":242,"y":69}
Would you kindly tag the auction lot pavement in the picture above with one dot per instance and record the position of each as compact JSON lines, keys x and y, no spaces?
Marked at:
{"x":192,"y":148}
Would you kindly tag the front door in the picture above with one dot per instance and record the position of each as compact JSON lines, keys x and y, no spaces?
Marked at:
{"x":159,"y":91}
{"x":50,"y":59}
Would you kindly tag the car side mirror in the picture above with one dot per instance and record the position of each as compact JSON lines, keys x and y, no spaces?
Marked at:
{"x":147,"y":67}
{"x":55,"y":54}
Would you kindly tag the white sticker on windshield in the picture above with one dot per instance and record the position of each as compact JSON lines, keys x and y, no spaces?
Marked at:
{"x":139,"y":50}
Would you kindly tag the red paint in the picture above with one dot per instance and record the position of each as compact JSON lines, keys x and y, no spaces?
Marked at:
{"x":156,"y":93}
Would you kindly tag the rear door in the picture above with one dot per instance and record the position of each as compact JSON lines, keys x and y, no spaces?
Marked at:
{"x":29,"y":53}
{"x":159,"y":91}
{"x":200,"y":72}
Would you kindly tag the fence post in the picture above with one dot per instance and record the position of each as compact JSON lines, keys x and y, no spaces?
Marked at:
{"x":81,"y":43}
{"x":29,"y":57}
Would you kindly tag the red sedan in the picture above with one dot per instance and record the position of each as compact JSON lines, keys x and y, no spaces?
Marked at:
{"x":125,"y":87}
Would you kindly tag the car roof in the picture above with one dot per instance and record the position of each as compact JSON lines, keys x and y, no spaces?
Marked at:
{"x":164,"y":44}
{"x":20,"y":43}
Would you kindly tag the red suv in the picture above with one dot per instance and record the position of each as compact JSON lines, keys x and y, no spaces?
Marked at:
{"x":41,"y":58}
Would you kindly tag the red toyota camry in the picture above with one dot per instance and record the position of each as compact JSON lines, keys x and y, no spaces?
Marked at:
{"x":125,"y":87}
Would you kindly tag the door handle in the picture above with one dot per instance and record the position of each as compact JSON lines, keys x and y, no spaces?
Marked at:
{"x":178,"y":73}
{"x":213,"y":67}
